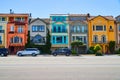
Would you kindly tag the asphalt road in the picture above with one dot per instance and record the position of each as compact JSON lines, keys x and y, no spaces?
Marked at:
{"x":60,"y":68}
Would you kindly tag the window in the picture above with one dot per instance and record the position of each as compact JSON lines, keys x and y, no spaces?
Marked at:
{"x":19,"y":19}
{"x":53,"y":39}
{"x":12,"y":28}
{"x":41,"y":28}
{"x":54,"y":29}
{"x":64,"y":39}
{"x":85,"y":39}
{"x":2,"y":18}
{"x":0,"y":40}
{"x":38,"y":39}
{"x":59,"y":29}
{"x":20,"y":29}
{"x":79,"y":38}
{"x":93,"y":28}
{"x":37,"y":28}
{"x":73,"y":38}
{"x":0,"y":27}
{"x":83,"y":28}
{"x":16,"y":39}
{"x":75,"y":28}
{"x":99,"y":28}
{"x":95,"y":38}
{"x":119,"y":27}
{"x":110,"y":27}
{"x":78,"y":28}
{"x":103,"y":39}
{"x":59,"y":39}
{"x":64,"y":29}
{"x":104,"y":28}
{"x":54,"y":19}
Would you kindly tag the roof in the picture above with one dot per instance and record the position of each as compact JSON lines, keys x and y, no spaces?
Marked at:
{"x":73,"y":22}
{"x":14,"y":14}
{"x":77,"y":14}
{"x":106,"y":17}
{"x":45,"y":20}
{"x":58,"y":14}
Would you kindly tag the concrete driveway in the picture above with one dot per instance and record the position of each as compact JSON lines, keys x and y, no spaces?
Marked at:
{"x":60,"y":68}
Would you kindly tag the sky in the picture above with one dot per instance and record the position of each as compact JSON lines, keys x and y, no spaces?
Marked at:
{"x":43,"y":8}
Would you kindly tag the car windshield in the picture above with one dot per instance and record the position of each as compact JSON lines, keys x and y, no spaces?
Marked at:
{"x":31,"y":49}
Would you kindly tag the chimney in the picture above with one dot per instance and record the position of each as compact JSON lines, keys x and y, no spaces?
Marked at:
{"x":88,"y":15}
{"x":10,"y":11}
{"x":30,"y":15}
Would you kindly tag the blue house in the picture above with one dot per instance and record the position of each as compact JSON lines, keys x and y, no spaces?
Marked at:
{"x":59,"y":28}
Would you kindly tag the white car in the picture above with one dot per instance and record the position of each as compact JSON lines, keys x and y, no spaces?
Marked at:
{"x":29,"y":51}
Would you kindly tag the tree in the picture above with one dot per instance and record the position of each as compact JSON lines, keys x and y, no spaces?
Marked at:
{"x":48,"y":42}
{"x":112,"y":46}
{"x":29,"y":43}
{"x":75,"y":45}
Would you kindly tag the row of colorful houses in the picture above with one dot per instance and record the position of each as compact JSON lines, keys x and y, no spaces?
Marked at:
{"x":64,"y":29}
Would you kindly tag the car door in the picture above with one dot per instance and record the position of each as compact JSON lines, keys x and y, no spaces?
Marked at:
{"x":26,"y":52}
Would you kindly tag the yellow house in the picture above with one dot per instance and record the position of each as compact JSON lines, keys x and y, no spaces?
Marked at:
{"x":3,"y":25}
{"x":101,"y":30}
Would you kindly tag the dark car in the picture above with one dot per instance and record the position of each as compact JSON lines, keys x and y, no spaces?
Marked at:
{"x":3,"y":52}
{"x":62,"y":51}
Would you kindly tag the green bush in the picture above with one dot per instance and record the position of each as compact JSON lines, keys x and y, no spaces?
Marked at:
{"x":74,"y":52}
{"x":117,"y":52}
{"x":98,"y":54}
{"x":90,"y":52}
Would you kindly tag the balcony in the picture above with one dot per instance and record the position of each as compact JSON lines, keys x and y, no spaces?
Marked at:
{"x":99,"y":42}
{"x":111,"y":30}
{"x":85,"y":31}
{"x":18,"y":22}
{"x":65,"y":31}
{"x":16,"y":44}
{"x":1,"y":31}
{"x":13,"y":32}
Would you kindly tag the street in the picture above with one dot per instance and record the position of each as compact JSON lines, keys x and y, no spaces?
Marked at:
{"x":60,"y":68}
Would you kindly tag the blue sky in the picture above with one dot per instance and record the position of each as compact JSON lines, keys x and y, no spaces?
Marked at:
{"x":42,"y":8}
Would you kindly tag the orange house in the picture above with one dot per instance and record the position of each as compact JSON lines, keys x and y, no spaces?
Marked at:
{"x":17,"y":30}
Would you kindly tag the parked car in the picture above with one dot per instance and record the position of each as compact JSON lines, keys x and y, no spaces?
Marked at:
{"x":4,"y":52}
{"x":29,"y":51}
{"x":62,"y":51}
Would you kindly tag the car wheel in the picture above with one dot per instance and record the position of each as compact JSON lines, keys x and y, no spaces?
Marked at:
{"x":33,"y":54}
{"x":54,"y":54}
{"x":67,"y":54}
{"x":2,"y":55}
{"x":19,"y":54}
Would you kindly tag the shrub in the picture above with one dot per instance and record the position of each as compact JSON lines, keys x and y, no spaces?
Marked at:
{"x":97,"y":48}
{"x":90,"y":51}
{"x":98,"y":54}
{"x":74,"y":52}
{"x":112,"y":46}
{"x":117,"y":52}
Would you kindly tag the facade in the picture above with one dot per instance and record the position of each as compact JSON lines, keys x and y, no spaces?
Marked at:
{"x":59,"y":29}
{"x":17,"y":30}
{"x":101,"y":31}
{"x":118,"y":31}
{"x":3,"y":25}
{"x":38,"y":30}
{"x":79,"y":28}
